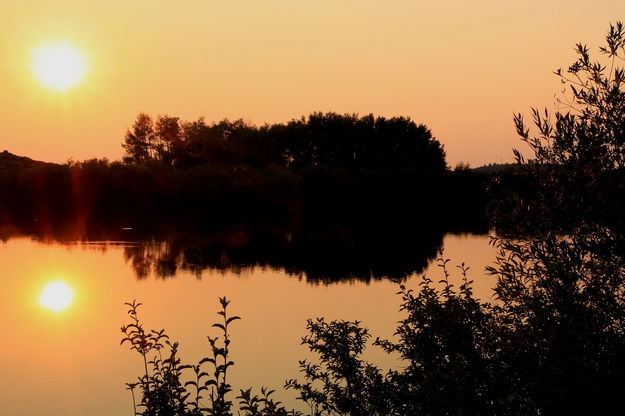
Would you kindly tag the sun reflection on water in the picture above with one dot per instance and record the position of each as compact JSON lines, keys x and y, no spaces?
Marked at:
{"x":56,"y":296}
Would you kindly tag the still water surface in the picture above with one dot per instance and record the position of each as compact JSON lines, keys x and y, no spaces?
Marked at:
{"x":69,"y":362}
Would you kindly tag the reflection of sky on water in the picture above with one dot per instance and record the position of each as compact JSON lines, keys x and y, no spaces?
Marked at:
{"x":75,"y":364}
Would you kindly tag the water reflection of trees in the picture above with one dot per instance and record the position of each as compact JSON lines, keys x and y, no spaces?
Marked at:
{"x":318,"y":255}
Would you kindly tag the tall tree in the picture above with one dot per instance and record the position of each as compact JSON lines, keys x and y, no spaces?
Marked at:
{"x":563,"y":288}
{"x":139,"y":140}
{"x":169,"y":140}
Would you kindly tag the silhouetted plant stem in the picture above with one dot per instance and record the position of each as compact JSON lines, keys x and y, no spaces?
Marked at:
{"x":143,"y":343}
{"x":131,"y":387}
{"x":147,"y":378}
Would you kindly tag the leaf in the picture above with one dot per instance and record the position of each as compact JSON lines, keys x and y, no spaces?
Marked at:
{"x":207,"y":360}
{"x":232,"y":318}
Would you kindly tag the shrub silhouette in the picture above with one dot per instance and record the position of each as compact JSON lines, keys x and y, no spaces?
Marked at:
{"x":163,"y":390}
{"x":562,"y":289}
{"x":452,"y":341}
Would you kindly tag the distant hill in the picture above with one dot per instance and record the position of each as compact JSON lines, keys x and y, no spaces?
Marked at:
{"x":496,"y":168}
{"x":9,"y":161}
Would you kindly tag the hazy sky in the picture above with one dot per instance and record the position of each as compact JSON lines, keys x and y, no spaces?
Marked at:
{"x":460,"y":67}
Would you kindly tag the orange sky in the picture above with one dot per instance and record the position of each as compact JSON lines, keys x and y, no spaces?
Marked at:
{"x":462,"y":68}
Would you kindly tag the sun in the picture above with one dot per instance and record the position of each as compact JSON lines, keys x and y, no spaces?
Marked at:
{"x":56,"y":296}
{"x":59,"y":66}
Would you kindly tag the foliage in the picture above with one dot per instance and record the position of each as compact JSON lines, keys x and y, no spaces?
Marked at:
{"x":445,"y":344}
{"x":564,"y":286}
{"x":579,"y":152}
{"x":323,"y":139}
{"x":462,"y":166}
{"x":326,"y":168}
{"x":348,"y":384}
{"x":163,"y":389}
{"x":79,"y":200}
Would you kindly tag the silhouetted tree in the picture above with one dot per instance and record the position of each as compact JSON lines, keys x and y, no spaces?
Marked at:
{"x":169,"y":139}
{"x":564,"y":286}
{"x":329,"y":140}
{"x":360,"y":143}
{"x":139,"y":141}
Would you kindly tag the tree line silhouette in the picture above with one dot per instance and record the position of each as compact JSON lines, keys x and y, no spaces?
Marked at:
{"x":332,"y":140}
{"x":183,"y":181}
{"x":324,"y":171}
{"x":320,"y":223}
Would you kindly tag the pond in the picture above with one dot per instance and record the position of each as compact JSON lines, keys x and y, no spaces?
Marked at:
{"x":68,"y":360}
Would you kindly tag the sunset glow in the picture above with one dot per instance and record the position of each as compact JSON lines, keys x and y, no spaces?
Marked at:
{"x":371,"y":207}
{"x":454,"y":66}
{"x":56,"y":296}
{"x":58,"y":66}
